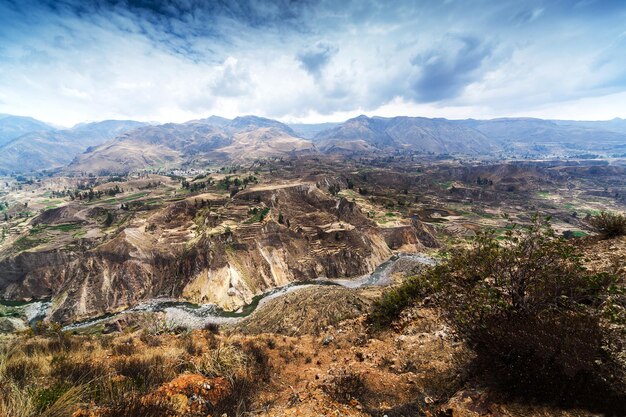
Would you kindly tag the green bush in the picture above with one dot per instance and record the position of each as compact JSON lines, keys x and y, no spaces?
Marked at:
{"x":537,"y":319}
{"x":393,"y":302}
{"x":609,"y":225}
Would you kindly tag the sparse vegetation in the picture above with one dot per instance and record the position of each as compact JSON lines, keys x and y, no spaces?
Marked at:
{"x":345,"y":386}
{"x":609,"y":225}
{"x":312,"y":347}
{"x":531,"y":311}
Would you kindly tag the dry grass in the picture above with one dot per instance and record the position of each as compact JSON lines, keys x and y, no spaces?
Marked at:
{"x":18,"y":373}
{"x":226,"y":360}
{"x":146,"y":372}
{"x":55,"y":374}
{"x":345,"y":386}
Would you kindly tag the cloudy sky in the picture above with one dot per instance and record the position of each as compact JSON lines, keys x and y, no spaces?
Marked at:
{"x":68,"y":61}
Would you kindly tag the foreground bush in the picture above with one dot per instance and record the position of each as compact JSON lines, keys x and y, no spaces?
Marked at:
{"x":540,"y":322}
{"x":609,"y":225}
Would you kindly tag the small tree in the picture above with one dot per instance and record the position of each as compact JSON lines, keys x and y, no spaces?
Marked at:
{"x":609,"y":225}
{"x":108,"y":221}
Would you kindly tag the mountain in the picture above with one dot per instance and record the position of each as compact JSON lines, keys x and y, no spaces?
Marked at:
{"x":615,"y":125}
{"x":193,"y":143}
{"x":122,"y":146}
{"x":215,"y":121}
{"x":512,"y":136}
{"x":364,"y":134}
{"x":49,"y":149}
{"x":540,"y":138}
{"x":544,"y":131}
{"x":255,"y":122}
{"x":309,"y":131}
{"x":12,"y":127}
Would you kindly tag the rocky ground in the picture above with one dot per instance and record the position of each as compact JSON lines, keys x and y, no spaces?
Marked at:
{"x":308,"y":353}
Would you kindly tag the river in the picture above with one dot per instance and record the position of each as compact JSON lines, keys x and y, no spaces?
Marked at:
{"x":183,"y":313}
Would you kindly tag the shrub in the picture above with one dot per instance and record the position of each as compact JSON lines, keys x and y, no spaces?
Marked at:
{"x":77,"y":370}
{"x":22,"y":369}
{"x":145,"y":373}
{"x":125,"y":348}
{"x":345,"y":386}
{"x":226,"y":360}
{"x":536,"y":318}
{"x":609,"y":225}
{"x":386,"y":309}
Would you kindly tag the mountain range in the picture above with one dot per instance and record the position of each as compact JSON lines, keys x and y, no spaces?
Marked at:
{"x":45,"y":147}
{"x":118,"y":146}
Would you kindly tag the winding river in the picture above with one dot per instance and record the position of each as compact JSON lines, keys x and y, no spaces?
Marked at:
{"x":183,"y":313}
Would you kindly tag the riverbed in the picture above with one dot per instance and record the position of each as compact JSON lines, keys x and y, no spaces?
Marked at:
{"x":183,"y":313}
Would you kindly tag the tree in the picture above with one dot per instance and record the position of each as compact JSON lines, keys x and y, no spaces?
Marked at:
{"x":108,"y":221}
{"x":539,"y":321}
{"x":609,"y":225}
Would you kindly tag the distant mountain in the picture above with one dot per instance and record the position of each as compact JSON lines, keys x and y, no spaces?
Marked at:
{"x":47,"y":149}
{"x":365,"y":134}
{"x":614,"y":125}
{"x":121,"y":146}
{"x":309,"y":131}
{"x":193,"y":143}
{"x":543,"y":131}
{"x":255,"y":122}
{"x":215,"y":121}
{"x":506,"y":136}
{"x":12,"y":127}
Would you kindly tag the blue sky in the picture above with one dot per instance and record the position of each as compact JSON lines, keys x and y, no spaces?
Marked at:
{"x":68,"y":61}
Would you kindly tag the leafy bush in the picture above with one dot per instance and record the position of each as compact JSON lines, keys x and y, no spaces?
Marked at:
{"x":609,"y":225}
{"x":393,"y":302}
{"x":532,"y":313}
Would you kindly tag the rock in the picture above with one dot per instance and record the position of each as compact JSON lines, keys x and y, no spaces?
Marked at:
{"x":112,"y":327}
{"x":12,"y":324}
{"x":327,"y":340}
{"x":191,"y":393}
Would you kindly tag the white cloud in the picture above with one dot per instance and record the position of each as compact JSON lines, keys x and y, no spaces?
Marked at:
{"x":314,"y":64}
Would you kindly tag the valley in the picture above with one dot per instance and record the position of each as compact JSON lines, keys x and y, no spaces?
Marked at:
{"x":224,"y":235}
{"x":239,"y":256}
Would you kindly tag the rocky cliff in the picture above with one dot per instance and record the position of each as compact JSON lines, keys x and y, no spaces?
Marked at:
{"x":207,"y":250}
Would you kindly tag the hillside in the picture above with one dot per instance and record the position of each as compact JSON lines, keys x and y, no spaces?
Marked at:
{"x":48,"y":149}
{"x":12,"y":127}
{"x":193,"y":143}
{"x":514,"y":137}
{"x":526,"y":130}
{"x":363,"y":134}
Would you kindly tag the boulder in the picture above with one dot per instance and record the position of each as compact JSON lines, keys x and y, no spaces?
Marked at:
{"x":12,"y":324}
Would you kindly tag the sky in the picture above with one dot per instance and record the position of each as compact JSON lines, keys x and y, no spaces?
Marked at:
{"x":70,"y":61}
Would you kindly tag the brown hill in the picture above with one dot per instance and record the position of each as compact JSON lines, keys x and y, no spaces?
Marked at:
{"x":197,"y":142}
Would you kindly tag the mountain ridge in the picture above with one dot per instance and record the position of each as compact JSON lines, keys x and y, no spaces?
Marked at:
{"x":110,"y":146}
